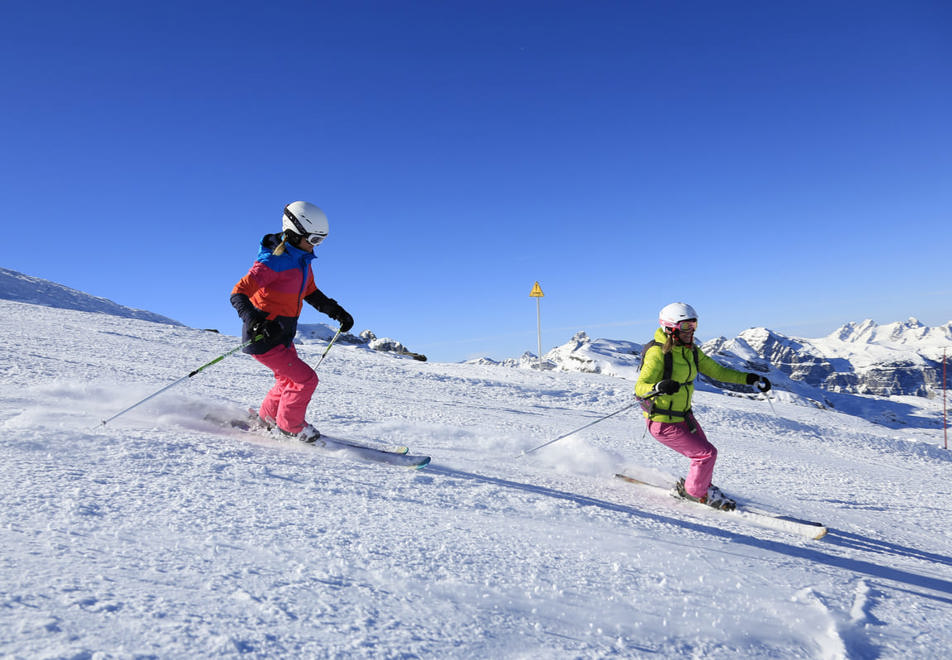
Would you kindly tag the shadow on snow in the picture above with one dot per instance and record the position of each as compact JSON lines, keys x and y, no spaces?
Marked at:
{"x":836,"y":538}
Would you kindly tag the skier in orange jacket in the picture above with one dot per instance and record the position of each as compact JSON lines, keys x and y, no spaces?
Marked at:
{"x":269,"y":300}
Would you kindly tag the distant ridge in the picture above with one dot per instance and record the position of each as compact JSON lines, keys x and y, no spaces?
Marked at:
{"x":33,"y":290}
{"x":868,"y":359}
{"x":23,"y":288}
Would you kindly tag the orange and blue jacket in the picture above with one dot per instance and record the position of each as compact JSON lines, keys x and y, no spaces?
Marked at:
{"x":275,"y":288}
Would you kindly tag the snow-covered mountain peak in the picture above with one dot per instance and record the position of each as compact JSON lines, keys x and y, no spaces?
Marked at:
{"x":762,"y":339}
{"x":901,"y":335}
{"x":855,"y":332}
{"x":612,"y":357}
{"x":580,"y":338}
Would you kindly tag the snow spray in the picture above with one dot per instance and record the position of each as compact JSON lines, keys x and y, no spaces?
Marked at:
{"x":183,"y":378}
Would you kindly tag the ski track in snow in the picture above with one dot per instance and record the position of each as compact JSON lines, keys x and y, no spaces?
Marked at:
{"x":163,"y":535}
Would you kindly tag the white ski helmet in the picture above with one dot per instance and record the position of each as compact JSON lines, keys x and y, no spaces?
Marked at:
{"x":305,"y":219}
{"x":671,"y":315}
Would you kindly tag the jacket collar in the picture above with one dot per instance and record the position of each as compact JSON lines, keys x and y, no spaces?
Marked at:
{"x":271,"y":241}
{"x":298,"y":253}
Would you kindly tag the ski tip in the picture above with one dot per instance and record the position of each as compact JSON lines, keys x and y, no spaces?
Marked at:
{"x":422,"y":464}
{"x":632,"y":480}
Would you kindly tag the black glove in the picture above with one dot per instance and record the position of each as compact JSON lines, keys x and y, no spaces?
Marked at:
{"x":758,"y":381}
{"x":269,"y":329}
{"x":340,"y":315}
{"x":667,"y":386}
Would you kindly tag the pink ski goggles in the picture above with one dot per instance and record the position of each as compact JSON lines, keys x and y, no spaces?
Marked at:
{"x":690,"y":324}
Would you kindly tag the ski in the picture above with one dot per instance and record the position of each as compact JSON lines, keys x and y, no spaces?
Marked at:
{"x":366,"y":453}
{"x":396,"y":455}
{"x":745,"y":512}
{"x":254,"y":423}
{"x":389,"y":449}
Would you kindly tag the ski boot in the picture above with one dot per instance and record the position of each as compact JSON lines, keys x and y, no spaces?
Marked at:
{"x":308,"y":435}
{"x":257,"y":422}
{"x":715,"y":498}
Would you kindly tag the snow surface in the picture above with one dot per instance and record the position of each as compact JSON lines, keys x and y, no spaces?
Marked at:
{"x":162,"y":535}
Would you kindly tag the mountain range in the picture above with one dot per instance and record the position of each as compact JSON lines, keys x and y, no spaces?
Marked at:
{"x":897,"y":359}
{"x":862,"y":369}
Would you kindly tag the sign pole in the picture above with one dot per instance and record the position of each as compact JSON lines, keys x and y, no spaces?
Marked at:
{"x":538,"y":295}
{"x":539,"y":328}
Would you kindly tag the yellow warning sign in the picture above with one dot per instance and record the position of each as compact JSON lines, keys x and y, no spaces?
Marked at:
{"x":536,"y":291}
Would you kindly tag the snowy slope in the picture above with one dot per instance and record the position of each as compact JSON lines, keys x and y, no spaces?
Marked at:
{"x":162,"y":535}
{"x":23,"y":288}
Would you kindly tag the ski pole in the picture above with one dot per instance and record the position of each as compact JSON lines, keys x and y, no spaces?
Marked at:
{"x":581,"y":428}
{"x":772,"y":409}
{"x":324,"y":354}
{"x":170,"y":385}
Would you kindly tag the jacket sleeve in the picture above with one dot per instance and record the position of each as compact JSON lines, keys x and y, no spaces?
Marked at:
{"x":247,"y":312}
{"x":711,"y":368}
{"x":316,"y":299}
{"x":320,"y":302}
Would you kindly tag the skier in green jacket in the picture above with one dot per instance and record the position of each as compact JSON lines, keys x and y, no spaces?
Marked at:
{"x":666,"y":386}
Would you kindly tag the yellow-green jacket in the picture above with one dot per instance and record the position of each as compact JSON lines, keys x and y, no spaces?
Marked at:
{"x":684,"y":371}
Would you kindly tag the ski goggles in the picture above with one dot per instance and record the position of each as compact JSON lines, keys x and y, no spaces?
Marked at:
{"x":684,"y":325}
{"x":315,"y":239}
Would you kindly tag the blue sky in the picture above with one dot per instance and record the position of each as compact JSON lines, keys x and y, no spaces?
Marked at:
{"x":778,"y":164}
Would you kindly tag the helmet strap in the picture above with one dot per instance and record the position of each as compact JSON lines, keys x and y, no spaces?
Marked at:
{"x":294,"y":221}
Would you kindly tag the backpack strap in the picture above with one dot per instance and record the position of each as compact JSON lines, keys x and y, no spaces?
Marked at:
{"x":668,"y":366}
{"x":669,"y":360}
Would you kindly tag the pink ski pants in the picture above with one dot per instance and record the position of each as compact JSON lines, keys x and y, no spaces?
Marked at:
{"x":695,"y":446}
{"x":294,"y":383}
